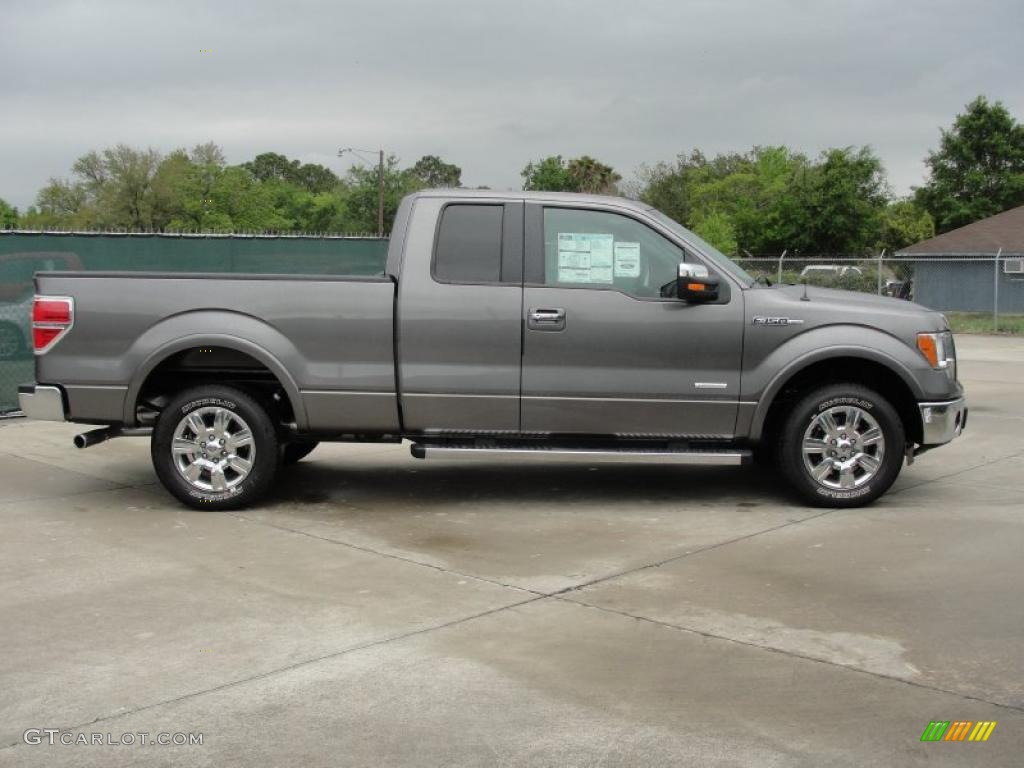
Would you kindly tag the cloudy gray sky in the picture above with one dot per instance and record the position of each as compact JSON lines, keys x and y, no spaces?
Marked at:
{"x":489,"y":85}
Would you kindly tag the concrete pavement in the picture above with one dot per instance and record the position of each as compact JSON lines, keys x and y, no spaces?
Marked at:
{"x":384,"y":611}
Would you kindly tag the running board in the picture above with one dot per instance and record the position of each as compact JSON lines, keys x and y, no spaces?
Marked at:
{"x":706,"y":457}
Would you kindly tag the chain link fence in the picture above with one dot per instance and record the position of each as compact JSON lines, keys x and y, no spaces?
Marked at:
{"x":22,"y":254}
{"x":979,"y":293}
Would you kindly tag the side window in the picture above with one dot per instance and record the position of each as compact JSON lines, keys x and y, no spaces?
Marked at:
{"x":469,"y":244}
{"x":595,"y":249}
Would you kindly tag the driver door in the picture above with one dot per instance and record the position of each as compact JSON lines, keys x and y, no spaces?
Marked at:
{"x":603,"y":352}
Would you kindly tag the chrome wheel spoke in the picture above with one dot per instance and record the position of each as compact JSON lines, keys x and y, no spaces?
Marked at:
{"x":185,"y":446}
{"x":238,"y":440}
{"x":240,"y":465}
{"x":217,"y":479}
{"x":868,"y":462}
{"x":196,"y":424}
{"x":871,"y":437}
{"x":828,"y":423}
{"x":220,"y":422}
{"x":823,"y":470}
{"x":193,"y":471}
{"x":852,"y":418}
{"x":815,"y":445}
{"x":846,"y":478}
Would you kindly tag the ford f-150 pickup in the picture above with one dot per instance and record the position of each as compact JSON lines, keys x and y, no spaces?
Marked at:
{"x":520,"y":325}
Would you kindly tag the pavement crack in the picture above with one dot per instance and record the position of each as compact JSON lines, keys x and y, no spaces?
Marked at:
{"x":389,"y":555}
{"x":296,"y":665}
{"x":955,"y":474}
{"x":783,"y":652}
{"x":690,"y":553}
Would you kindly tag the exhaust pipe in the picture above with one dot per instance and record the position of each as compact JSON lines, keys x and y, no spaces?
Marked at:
{"x":101,"y":435}
{"x":94,"y":437}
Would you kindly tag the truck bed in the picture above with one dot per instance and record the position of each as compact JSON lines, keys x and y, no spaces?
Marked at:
{"x":328,"y":340}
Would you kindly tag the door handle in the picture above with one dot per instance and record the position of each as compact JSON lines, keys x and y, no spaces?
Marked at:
{"x":547,"y":315}
{"x":540,"y":319}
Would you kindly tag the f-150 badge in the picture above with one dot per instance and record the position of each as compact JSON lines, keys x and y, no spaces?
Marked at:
{"x":759,"y":320}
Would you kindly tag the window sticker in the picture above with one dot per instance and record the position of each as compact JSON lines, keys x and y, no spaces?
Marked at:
{"x":585,"y":258}
{"x":627,"y":260}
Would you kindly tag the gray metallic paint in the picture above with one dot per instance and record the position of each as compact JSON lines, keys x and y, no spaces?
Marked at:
{"x":327,"y":335}
{"x":459,"y":345}
{"x":342,"y":348}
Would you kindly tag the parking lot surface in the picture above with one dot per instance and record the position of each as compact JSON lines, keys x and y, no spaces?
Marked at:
{"x":380,"y":610}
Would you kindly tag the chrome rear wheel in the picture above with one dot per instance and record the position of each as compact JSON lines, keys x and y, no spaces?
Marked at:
{"x":213,"y":449}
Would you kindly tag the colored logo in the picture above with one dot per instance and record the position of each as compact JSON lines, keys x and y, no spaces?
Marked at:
{"x":958,"y":730}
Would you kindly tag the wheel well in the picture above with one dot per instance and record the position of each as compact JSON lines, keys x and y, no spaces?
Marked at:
{"x":868,"y":373}
{"x":221,"y":365}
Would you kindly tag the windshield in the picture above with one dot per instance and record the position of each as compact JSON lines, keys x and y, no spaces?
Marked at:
{"x":719,"y":259}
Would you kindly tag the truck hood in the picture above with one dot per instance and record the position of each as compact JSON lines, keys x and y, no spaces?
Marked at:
{"x":811,"y":307}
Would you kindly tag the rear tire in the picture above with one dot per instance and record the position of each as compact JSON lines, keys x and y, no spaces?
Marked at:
{"x":841,"y":446}
{"x":215,"y":448}
{"x":296,"y":451}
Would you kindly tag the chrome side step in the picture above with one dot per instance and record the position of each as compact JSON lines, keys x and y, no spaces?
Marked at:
{"x":707,"y":457}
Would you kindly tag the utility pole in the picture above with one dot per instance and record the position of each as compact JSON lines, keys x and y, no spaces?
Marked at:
{"x":380,"y":196}
{"x":380,"y":182}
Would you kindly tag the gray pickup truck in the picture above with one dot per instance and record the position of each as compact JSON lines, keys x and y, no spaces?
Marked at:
{"x":523,"y":326}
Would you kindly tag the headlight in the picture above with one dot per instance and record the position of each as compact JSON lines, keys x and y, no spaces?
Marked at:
{"x":938,"y":349}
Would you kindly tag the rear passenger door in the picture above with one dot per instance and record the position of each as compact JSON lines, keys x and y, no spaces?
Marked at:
{"x":459,"y":317}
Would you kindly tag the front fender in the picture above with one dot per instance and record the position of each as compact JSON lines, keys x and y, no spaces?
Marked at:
{"x":763,"y":379}
{"x":242,"y":333}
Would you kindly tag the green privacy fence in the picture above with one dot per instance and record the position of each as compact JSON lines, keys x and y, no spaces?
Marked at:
{"x":24,"y":253}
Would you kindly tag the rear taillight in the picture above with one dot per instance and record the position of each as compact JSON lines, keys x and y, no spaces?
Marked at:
{"x":52,"y":317}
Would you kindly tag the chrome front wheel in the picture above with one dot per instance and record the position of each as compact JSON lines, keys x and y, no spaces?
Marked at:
{"x":843,"y":447}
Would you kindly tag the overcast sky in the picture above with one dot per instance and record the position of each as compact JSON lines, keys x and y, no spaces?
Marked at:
{"x":489,"y":85}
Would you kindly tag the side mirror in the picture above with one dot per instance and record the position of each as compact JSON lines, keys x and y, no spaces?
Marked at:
{"x":692,"y":285}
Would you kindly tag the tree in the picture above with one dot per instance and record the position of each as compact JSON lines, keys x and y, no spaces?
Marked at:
{"x":430,"y":171}
{"x":60,"y":202}
{"x":978,"y":169}
{"x":113,"y":189}
{"x":8,"y":216}
{"x":738,"y":195}
{"x":548,"y":175}
{"x":590,"y":175}
{"x":904,"y":223}
{"x":208,"y":154}
{"x":835,"y":205}
{"x":270,"y":166}
{"x":361,"y":195}
{"x":581,"y":174}
{"x":717,"y":229}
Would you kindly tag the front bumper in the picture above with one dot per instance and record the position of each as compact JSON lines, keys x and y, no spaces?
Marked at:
{"x":41,"y":401}
{"x":942,"y":421}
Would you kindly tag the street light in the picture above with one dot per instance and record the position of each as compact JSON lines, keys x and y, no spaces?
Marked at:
{"x":380,"y":182}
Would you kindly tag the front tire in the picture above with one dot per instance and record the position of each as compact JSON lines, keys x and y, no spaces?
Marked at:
{"x":841,"y":446}
{"x":215,"y":448}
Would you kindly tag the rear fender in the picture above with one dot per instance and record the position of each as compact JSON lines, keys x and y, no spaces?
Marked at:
{"x":247,"y":334}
